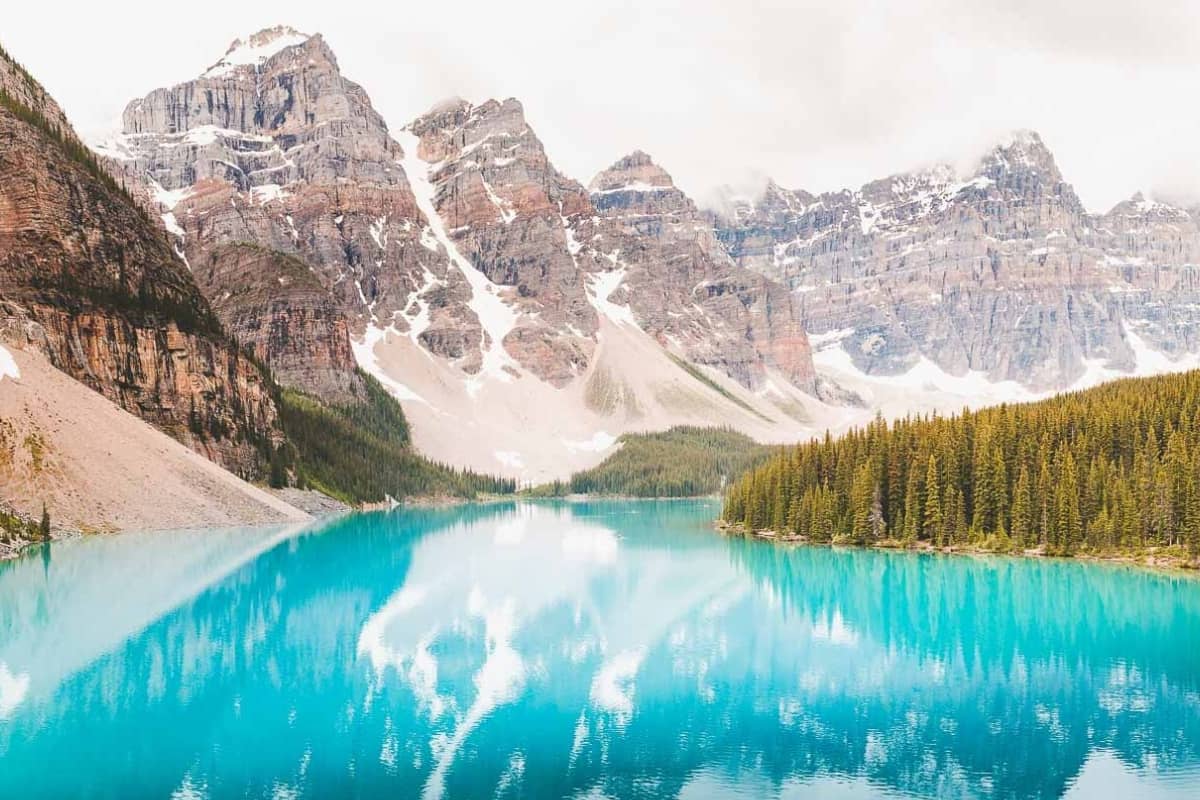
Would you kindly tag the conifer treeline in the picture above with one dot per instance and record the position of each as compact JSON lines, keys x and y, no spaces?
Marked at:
{"x":362,"y":453}
{"x":1111,"y":468}
{"x":684,"y":461}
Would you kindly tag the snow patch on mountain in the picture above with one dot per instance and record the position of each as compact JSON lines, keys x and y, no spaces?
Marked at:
{"x":8,"y":365}
{"x":599,"y":442}
{"x":600,"y":288}
{"x":267,"y":193}
{"x":924,"y":377}
{"x":255,"y":50}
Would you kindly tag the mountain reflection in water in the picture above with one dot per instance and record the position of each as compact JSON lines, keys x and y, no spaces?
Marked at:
{"x":609,"y":649}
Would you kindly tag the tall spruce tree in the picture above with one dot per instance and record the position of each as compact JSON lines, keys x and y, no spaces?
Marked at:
{"x":933,"y":501}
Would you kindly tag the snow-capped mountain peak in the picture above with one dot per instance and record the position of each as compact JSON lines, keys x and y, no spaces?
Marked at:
{"x":256,"y":49}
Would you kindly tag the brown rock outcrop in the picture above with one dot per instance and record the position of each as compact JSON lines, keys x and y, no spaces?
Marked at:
{"x":95,"y":285}
{"x":274,"y":305}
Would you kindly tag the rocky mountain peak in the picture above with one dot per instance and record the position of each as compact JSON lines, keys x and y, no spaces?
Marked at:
{"x":775,"y":195}
{"x":457,"y":127}
{"x":1021,"y":152}
{"x":633,"y":172}
{"x":255,"y":50}
{"x":274,"y":146}
{"x":635,"y":185}
{"x":1142,"y":209}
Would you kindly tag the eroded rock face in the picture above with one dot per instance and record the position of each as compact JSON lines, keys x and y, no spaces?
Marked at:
{"x":273,"y":146}
{"x":1000,"y":271}
{"x":504,"y":206}
{"x":274,"y":305}
{"x":682,"y":286}
{"x":87,"y":278}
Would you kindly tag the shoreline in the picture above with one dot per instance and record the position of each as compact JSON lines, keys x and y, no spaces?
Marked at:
{"x":1171,"y":563}
{"x":323,"y":507}
{"x":581,"y":498}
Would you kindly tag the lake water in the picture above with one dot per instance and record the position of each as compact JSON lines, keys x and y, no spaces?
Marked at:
{"x":615,"y":649}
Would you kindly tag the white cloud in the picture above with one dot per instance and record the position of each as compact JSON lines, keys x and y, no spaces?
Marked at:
{"x":818,"y":95}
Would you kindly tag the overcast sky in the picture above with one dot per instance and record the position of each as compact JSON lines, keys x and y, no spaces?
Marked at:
{"x":818,"y":95}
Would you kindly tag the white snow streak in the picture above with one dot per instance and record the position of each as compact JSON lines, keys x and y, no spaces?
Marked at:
{"x":640,"y":187}
{"x":507,"y":214}
{"x":496,"y":316}
{"x":172,"y":225}
{"x":168,"y":199}
{"x":8,"y":365}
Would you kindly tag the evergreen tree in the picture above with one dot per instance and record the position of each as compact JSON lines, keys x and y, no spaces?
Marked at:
{"x":999,"y":489}
{"x":1047,"y":525}
{"x":1070,"y":521}
{"x":1022,"y":509}
{"x":862,"y":501}
{"x":913,"y":523}
{"x":933,"y":501}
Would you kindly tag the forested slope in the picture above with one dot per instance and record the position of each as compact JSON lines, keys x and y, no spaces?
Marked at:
{"x":684,"y":461}
{"x":1115,"y":468}
{"x":361,"y":452}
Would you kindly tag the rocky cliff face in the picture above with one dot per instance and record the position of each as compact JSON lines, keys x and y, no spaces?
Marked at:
{"x":502,"y":205}
{"x":275,"y":306}
{"x":273,"y":146}
{"x":1000,"y":271}
{"x":664,"y":261}
{"x":86,"y":278}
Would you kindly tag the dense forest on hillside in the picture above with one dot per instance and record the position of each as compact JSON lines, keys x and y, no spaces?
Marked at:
{"x":684,"y":461}
{"x":360,"y":453}
{"x":1115,"y":468}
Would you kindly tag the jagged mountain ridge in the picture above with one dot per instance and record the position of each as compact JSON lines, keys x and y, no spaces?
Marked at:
{"x":213,"y":156}
{"x":1000,"y":273}
{"x":472,"y":273}
{"x":724,"y":316}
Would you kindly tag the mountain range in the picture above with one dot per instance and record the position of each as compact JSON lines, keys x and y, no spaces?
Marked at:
{"x":525,"y":320}
{"x":1000,"y":273}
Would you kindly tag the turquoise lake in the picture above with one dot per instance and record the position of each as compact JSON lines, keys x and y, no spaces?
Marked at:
{"x":589,"y":650}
